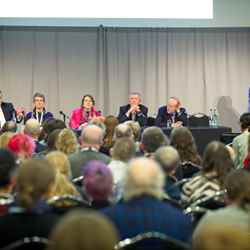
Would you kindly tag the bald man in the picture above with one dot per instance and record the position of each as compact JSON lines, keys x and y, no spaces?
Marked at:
{"x":172,"y":115}
{"x":143,"y":209}
{"x":91,"y":140}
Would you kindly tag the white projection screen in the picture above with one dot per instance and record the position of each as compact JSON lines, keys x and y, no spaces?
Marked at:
{"x":169,"y":9}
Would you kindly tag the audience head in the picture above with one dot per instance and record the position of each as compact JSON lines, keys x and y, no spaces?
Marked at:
{"x":238,"y":188}
{"x":221,"y":237}
{"x":135,"y":126}
{"x":66,"y":141}
{"x":245,"y":121}
{"x":99,"y":122}
{"x":144,"y":177}
{"x":4,"y":139}
{"x":84,"y":230}
{"x":217,"y":160}
{"x":32,"y":128}
{"x":39,"y":101}
{"x":134,"y":99}
{"x":92,"y":136}
{"x":60,"y":162}
{"x":9,"y":126}
{"x":152,"y":139}
{"x":7,"y":170}
{"x":35,"y":178}
{"x":173,"y":104}
{"x":123,"y":131}
{"x":183,"y":141}
{"x":50,"y":125}
{"x":124,"y":150}
{"x":21,"y":145}
{"x":88,"y":102}
{"x":110,"y":123}
{"x":98,"y":180}
{"x":62,"y":186}
{"x":52,"y":139}
{"x":168,"y":158}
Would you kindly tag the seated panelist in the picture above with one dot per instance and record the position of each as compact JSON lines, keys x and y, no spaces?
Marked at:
{"x":172,"y":114}
{"x":134,"y":110}
{"x":39,"y":112}
{"x":82,"y":115}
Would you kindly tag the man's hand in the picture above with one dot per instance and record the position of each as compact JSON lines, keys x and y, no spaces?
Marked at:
{"x":133,"y":109}
{"x":176,"y":124}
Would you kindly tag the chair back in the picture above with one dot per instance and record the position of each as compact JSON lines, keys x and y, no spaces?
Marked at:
{"x":28,"y":243}
{"x":151,"y":240}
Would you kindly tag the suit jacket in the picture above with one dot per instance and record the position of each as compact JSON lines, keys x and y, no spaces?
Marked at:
{"x":79,"y":159}
{"x":144,"y":214}
{"x":163,"y":117}
{"x":8,"y":110}
{"x":46,"y":116}
{"x":140,"y":117}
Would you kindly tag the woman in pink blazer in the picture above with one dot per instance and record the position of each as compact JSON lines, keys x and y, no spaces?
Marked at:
{"x":82,"y":115}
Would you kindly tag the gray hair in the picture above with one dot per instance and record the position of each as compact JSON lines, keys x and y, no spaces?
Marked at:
{"x":144,"y":177}
{"x":136,"y":128}
{"x":123,"y":131}
{"x":124,"y":149}
{"x":168,"y":157}
{"x":92,"y":135}
{"x":32,"y":128}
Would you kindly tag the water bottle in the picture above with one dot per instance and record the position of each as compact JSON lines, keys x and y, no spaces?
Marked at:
{"x":211,"y":118}
{"x":215,"y":118}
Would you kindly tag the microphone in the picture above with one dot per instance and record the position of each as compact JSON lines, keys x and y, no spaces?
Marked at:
{"x":63,"y":114}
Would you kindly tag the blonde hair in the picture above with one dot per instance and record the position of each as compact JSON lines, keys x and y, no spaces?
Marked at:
{"x":62,"y":186}
{"x":83,"y":230}
{"x":35,"y":177}
{"x":144,"y":177}
{"x":66,"y":141}
{"x":4,"y":139}
{"x":60,"y":162}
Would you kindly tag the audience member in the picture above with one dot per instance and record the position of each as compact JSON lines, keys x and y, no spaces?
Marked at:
{"x":91,"y":141}
{"x":4,"y":139}
{"x":83,"y":230}
{"x":142,"y":210}
{"x":152,"y":139}
{"x":32,"y":216}
{"x":217,"y":163}
{"x":97,"y":184}
{"x":32,"y":128}
{"x":67,"y":142}
{"x":123,"y":131}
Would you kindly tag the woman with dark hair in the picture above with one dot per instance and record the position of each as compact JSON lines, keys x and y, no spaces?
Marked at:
{"x":82,"y":115}
{"x":183,"y":141}
{"x":190,"y":161}
{"x":39,"y":112}
{"x":110,"y":123}
{"x":217,"y":163}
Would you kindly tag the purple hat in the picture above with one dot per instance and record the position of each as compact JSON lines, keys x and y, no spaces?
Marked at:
{"x":98,"y":180}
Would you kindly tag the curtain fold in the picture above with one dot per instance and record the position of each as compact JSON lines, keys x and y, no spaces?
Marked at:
{"x":204,"y":68}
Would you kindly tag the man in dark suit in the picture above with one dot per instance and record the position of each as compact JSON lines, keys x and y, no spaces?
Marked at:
{"x":91,"y":140}
{"x":134,"y":110}
{"x":7,"y":111}
{"x":143,"y":209}
{"x":172,"y":115}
